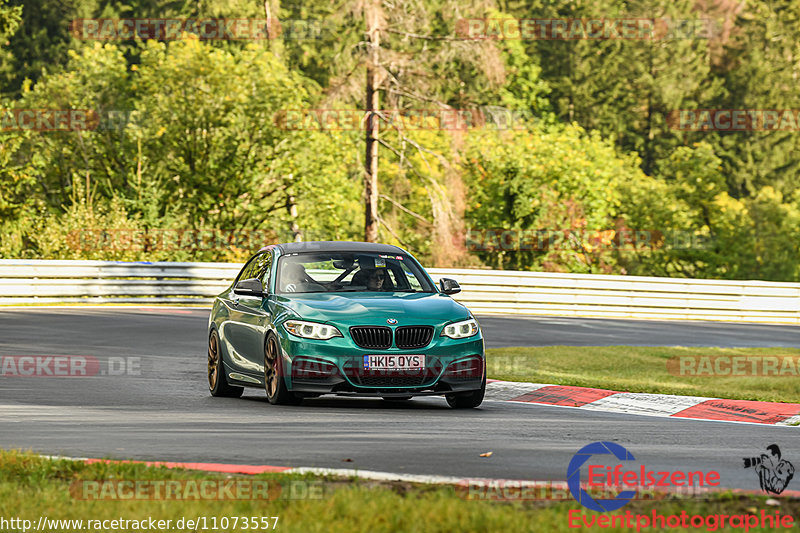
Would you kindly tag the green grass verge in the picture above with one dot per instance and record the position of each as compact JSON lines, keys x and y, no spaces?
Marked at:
{"x":640,"y":369}
{"x":31,"y":486}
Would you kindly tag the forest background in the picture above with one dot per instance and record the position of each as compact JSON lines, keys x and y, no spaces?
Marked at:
{"x":207,"y":149}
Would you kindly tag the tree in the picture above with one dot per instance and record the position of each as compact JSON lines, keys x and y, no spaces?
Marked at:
{"x":626,"y":88}
{"x":373,"y":16}
{"x":706,"y":232}
{"x":555,"y":188}
{"x":762,"y":73}
{"x":201,"y":148}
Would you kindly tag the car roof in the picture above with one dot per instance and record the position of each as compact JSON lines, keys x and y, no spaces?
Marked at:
{"x":338,"y":246}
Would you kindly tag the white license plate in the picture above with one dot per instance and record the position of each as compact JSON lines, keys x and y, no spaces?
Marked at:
{"x":393,"y":362}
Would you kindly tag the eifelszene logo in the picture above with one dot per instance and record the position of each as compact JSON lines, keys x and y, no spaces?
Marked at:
{"x":574,"y":476}
{"x":601,"y":476}
{"x":774,"y":473}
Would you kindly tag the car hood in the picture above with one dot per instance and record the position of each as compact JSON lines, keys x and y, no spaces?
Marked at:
{"x":352,"y":309}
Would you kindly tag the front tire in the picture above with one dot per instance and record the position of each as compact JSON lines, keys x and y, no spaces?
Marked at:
{"x":274,"y":376}
{"x":217,"y":380}
{"x":468,"y":400}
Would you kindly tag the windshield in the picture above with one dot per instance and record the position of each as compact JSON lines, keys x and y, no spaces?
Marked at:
{"x":350,"y":272}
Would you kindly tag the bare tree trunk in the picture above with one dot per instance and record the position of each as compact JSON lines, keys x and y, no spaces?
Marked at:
{"x":273,"y":27}
{"x":371,"y":11}
{"x":291,"y":207}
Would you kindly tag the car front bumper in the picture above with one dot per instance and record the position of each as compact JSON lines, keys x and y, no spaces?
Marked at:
{"x":336,"y":367}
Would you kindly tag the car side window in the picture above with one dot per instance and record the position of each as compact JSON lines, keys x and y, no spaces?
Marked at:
{"x":264,"y":269}
{"x":411,"y":279}
{"x":399,"y":281}
{"x":249,"y":269}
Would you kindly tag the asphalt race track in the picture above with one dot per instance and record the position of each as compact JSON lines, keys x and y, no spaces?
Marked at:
{"x":166,"y":413}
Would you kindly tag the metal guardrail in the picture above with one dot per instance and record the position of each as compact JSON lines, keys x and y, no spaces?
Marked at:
{"x":484,"y":291}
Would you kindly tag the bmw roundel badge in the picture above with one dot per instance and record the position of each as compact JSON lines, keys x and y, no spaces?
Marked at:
{"x":391,"y":321}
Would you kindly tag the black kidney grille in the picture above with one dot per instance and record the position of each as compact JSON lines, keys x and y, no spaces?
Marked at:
{"x":372,"y":336}
{"x":408,"y":337}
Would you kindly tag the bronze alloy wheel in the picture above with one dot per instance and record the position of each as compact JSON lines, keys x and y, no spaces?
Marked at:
{"x":213,"y":360}
{"x":217,"y":381}
{"x":270,"y":370}
{"x":274,"y":380}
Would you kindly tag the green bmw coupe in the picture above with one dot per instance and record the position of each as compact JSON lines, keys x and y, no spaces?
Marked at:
{"x":344,"y":318}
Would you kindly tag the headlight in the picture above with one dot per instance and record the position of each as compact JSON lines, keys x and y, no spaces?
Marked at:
{"x":461,"y":330}
{"x":311,"y":330}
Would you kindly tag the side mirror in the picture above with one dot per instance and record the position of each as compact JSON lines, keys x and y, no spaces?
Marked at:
{"x":249,"y":287}
{"x":449,"y":286}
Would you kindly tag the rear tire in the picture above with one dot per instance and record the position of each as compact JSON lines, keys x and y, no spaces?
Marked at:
{"x":217,"y":380}
{"x":274,"y":377}
{"x":468,"y":400}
